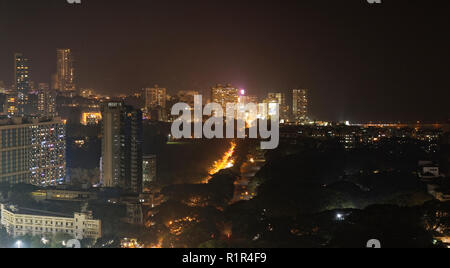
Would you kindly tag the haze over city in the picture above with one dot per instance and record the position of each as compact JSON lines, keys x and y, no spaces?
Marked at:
{"x":354,"y":58}
{"x":246,"y":126}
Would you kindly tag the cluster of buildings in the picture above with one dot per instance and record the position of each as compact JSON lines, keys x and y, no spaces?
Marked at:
{"x":352,"y":136}
{"x":123,"y":164}
{"x":33,"y":139}
{"x":26,"y":97}
{"x":33,"y":148}
{"x":298,"y":114}
{"x":32,"y":136}
{"x":84,"y":106}
{"x":157,"y":102}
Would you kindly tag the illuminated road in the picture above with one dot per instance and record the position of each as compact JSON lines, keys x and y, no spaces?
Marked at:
{"x":225,"y":162}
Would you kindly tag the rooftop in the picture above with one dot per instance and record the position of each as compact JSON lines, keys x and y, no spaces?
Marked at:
{"x":35,"y":212}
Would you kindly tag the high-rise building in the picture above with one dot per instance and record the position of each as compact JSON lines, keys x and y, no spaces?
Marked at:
{"x":246,"y":99}
{"x":186,"y":97}
{"x":48,"y":161}
{"x":155,"y":103}
{"x":3,"y":99}
{"x":121,"y":147}
{"x":300,"y":105}
{"x":2,"y":87}
{"x":155,"y":97}
{"x":148,"y":169}
{"x":3,"y":104}
{"x":16,"y":147}
{"x":280,"y":98}
{"x":22,"y":82}
{"x":65,"y":76}
{"x":11,"y":104}
{"x":46,"y":101}
{"x":54,"y":82}
{"x":224,"y":94}
{"x":32,"y":151}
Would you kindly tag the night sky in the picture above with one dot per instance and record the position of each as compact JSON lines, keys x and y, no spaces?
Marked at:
{"x":361,"y":62}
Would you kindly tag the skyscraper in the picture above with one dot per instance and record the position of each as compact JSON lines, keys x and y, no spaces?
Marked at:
{"x":155,"y":97}
{"x":224,"y":94}
{"x":281,"y":100}
{"x":155,"y":103}
{"x":121,"y":147}
{"x":187,"y":97}
{"x":46,"y":101}
{"x":300,"y":105}
{"x":48,"y":155}
{"x":246,"y":99}
{"x":65,"y":71}
{"x":22,"y":82}
{"x":32,"y":152}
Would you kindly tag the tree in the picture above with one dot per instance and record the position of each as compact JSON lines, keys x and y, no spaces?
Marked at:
{"x":214,"y":244}
{"x":59,"y":239}
{"x":5,"y":239}
{"x":87,"y":242}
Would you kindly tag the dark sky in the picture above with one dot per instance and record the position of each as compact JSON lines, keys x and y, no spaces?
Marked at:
{"x":361,"y":62}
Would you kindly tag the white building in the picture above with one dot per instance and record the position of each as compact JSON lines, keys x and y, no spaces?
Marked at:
{"x":429,"y":170}
{"x":20,"y":222}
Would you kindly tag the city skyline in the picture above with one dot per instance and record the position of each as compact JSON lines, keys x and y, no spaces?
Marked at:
{"x":275,"y":48}
{"x":229,"y":124}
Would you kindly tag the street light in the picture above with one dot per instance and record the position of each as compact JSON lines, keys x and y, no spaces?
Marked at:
{"x":19,"y":244}
{"x":44,"y":241}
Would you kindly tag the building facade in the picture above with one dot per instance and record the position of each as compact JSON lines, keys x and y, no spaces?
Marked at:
{"x":21,"y":222}
{"x":46,"y":105}
{"x":63,"y":195}
{"x":91,"y":118}
{"x":22,"y":83}
{"x":121,"y":164}
{"x":32,"y":152}
{"x":65,"y":71}
{"x":300,"y":105}
{"x":48,"y":161}
{"x":155,"y":97}
{"x":280,"y":98}
{"x":224,"y":94}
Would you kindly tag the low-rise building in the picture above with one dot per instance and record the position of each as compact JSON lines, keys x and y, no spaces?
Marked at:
{"x":63,"y":195}
{"x":135,"y":214}
{"x":21,"y":221}
{"x":429,"y":170}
